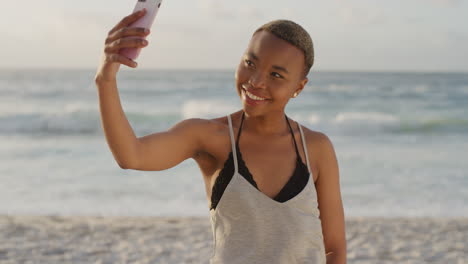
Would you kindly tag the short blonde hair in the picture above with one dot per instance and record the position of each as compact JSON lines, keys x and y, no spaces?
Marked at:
{"x":294,"y":34}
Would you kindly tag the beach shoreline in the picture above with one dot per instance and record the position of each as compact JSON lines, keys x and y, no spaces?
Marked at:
{"x":117,"y":239}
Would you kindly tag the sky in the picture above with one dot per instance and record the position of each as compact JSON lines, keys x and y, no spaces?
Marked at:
{"x":358,"y":35}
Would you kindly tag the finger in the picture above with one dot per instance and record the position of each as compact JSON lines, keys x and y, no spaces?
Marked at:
{"x":128,"y":20}
{"x":120,"y":43}
{"x":127,"y":31}
{"x":117,"y":58}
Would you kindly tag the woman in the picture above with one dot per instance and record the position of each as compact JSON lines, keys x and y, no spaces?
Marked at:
{"x":274,"y":193}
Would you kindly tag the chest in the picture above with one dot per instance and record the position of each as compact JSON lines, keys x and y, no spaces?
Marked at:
{"x":271,"y":166}
{"x":270,"y":161}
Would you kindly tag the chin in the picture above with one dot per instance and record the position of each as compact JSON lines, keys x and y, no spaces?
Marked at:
{"x":252,"y":112}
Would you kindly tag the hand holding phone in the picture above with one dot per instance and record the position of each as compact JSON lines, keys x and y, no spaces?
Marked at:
{"x":118,"y":39}
{"x":152,"y":8}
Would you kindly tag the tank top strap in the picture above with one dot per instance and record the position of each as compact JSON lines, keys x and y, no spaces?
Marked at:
{"x":305,"y":147}
{"x":233,"y":144}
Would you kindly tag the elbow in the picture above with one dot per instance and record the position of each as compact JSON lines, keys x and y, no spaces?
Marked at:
{"x":127,"y":162}
{"x":125,"y":165}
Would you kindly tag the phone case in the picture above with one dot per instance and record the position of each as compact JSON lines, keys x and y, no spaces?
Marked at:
{"x":152,"y":8}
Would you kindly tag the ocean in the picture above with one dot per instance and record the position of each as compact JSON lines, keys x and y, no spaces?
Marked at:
{"x":401,"y":140}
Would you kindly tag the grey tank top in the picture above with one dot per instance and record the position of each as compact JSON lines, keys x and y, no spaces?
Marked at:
{"x":250,"y":227}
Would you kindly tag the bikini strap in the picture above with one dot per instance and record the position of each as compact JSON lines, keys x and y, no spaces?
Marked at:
{"x":233,"y":146}
{"x":240,"y":128}
{"x":294,"y":138}
{"x":305,"y":147}
{"x":290,"y":129}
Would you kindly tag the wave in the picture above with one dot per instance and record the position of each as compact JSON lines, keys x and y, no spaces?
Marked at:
{"x":365,"y":117}
{"x":434,"y":125}
{"x":370,"y":122}
{"x":82,"y":119}
{"x":79,"y":122}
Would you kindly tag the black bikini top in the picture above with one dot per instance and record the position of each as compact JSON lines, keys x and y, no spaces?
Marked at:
{"x":294,"y":186}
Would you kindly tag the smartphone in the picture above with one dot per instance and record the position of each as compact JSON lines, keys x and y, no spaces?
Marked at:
{"x":152,"y":8}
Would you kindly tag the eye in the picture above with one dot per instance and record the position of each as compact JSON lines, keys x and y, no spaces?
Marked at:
{"x":248,"y":62}
{"x":276,"y":75}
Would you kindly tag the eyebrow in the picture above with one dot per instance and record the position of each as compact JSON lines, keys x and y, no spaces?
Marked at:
{"x":279,"y":68}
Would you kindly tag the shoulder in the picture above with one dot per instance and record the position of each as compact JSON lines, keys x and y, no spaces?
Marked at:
{"x":204,"y":129}
{"x":221,"y":124}
{"x":316,"y":139}
{"x":320,"y":148}
{"x":201,"y":124}
{"x":212,"y":136}
{"x":322,"y":151}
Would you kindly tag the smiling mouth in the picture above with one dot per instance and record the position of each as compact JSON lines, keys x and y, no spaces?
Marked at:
{"x":253,"y":96}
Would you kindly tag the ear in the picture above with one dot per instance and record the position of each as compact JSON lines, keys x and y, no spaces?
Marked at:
{"x":301,"y":85}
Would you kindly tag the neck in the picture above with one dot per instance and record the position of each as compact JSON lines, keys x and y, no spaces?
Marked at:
{"x":271,"y":124}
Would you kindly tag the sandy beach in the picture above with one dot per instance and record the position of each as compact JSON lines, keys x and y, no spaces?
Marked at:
{"x":85,"y":239}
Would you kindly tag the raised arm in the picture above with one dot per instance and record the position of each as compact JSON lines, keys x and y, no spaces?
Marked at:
{"x":157,"y":151}
{"x":164,"y":150}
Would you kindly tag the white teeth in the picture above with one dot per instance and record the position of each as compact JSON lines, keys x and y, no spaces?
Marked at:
{"x":251,"y":96}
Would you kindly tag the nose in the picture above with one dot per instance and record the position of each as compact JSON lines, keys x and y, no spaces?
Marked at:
{"x":257,"y":80}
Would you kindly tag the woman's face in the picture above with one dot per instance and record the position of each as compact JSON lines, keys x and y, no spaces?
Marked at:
{"x":272,"y":70}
